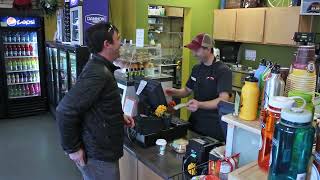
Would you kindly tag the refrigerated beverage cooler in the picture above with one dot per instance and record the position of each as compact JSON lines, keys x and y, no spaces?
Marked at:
{"x":64,"y":64}
{"x":23,"y":89}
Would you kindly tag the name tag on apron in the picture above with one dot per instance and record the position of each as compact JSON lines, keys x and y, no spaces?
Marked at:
{"x":193,"y":78}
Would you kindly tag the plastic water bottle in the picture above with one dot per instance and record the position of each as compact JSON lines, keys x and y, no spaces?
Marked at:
{"x":9,"y":37}
{"x":292,"y":145}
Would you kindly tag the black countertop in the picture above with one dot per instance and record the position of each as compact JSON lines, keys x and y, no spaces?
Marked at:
{"x":166,"y":166}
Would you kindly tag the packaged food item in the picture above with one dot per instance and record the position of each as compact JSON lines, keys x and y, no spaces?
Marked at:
{"x":205,"y":177}
{"x":219,"y":165}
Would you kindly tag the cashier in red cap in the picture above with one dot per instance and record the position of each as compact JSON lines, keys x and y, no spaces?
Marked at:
{"x":210,"y":82}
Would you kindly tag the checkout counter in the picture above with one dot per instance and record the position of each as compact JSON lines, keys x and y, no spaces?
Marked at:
{"x":141,"y":159}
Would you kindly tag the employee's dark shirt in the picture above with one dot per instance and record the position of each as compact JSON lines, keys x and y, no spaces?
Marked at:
{"x":207,"y":82}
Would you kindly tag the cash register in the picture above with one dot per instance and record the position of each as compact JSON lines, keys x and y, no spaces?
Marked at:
{"x":148,"y":127}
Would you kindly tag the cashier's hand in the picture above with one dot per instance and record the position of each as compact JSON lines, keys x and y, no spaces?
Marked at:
{"x":193,"y":105}
{"x":78,"y":157}
{"x":128,"y":121}
{"x":170,"y":91}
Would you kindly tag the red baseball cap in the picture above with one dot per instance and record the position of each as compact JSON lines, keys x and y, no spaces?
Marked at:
{"x":201,"y":40}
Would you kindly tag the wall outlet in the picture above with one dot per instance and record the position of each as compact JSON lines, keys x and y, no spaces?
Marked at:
{"x":250,"y":55}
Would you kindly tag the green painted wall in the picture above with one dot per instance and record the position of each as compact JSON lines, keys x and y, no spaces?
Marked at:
{"x":198,"y":18}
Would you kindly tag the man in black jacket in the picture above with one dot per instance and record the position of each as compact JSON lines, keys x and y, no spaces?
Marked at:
{"x":90,"y":116}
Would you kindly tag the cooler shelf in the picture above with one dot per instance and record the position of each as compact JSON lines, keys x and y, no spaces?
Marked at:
{"x":14,"y":57}
{"x":11,"y":84}
{"x":20,"y":43}
{"x":16,"y":97}
{"x":31,"y":70}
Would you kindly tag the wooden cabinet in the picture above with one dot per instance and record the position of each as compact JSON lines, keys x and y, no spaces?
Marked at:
{"x":224,"y":26}
{"x":145,"y":173}
{"x":128,"y":165}
{"x":260,"y":25}
{"x":282,"y":23}
{"x":250,"y":25}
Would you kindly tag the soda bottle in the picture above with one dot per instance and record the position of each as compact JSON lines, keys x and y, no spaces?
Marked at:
{"x":10,"y":65}
{"x":21,"y":80}
{"x":34,"y":77}
{"x":35,"y":88}
{"x":30,"y":50}
{"x":9,"y":39}
{"x":39,"y":88}
{"x":8,"y":79}
{"x":34,"y":37}
{"x":20,"y":92}
{"x":12,"y":78}
{"x":18,"y":37}
{"x":14,"y":50}
{"x":33,"y":63}
{"x":24,"y":65}
{"x":31,"y":89}
{"x":37,"y":77}
{"x":6,"y":51}
{"x":23,"y":52}
{"x":30,"y":63}
{"x":17,"y":78}
{"x":18,"y":65}
{"x":23,"y":90}
{"x":23,"y":37}
{"x":29,"y":77}
{"x":13,"y":37}
{"x":10,"y":91}
{"x":27,"y":92}
{"x":27,"y":50}
{"x":14,"y":65}
{"x":5,"y":37}
{"x":9,"y":50}
{"x":18,"y":50}
{"x":27,"y":37}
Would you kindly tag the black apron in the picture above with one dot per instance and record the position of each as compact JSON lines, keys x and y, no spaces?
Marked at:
{"x":206,"y":122}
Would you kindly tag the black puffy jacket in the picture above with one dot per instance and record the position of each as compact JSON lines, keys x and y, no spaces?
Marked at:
{"x":90,"y":115}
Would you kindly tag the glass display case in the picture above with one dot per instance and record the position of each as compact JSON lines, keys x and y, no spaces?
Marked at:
{"x":63,"y":74}
{"x":73,"y":67}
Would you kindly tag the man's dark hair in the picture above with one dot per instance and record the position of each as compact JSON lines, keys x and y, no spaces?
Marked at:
{"x":97,"y":34}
